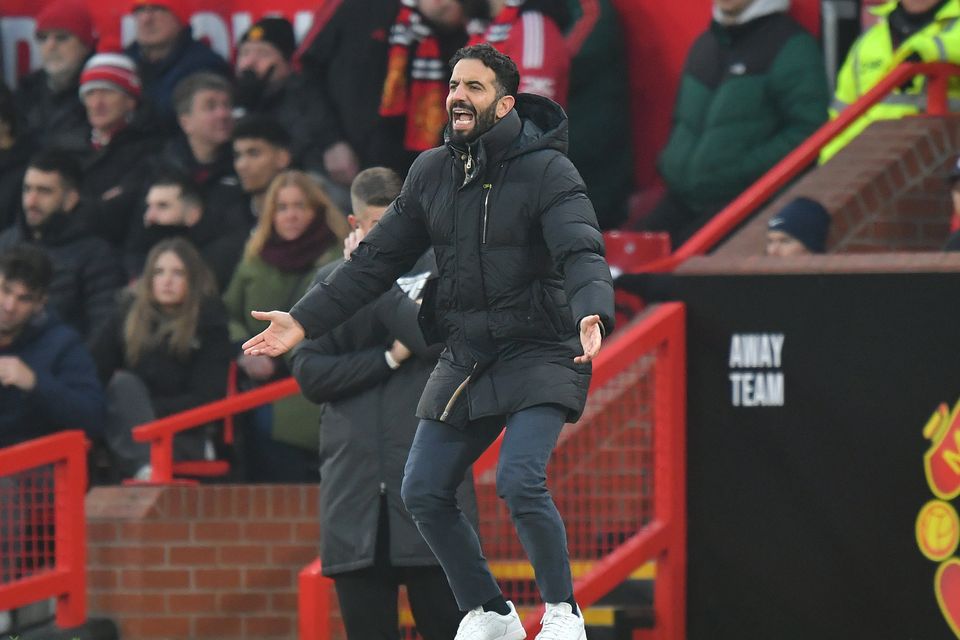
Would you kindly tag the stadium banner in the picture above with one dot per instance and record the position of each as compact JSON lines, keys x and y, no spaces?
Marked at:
{"x":823,"y":456}
{"x":219,"y":22}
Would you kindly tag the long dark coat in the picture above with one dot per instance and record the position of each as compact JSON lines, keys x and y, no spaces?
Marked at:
{"x":367,"y":426}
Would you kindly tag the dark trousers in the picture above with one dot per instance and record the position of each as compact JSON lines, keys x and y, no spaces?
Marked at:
{"x":438,"y":459}
{"x":368,"y":597}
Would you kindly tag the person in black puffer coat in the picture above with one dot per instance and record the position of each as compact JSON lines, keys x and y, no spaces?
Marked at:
{"x":368,"y":373}
{"x":523,"y":299}
{"x":87,"y":272}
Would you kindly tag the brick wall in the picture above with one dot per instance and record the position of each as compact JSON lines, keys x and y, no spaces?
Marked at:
{"x":200,"y":562}
{"x":886,"y":190}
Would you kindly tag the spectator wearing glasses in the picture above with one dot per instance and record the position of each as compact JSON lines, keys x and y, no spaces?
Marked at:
{"x":47,"y":99}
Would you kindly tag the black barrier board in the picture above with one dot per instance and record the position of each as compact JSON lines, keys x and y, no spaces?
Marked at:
{"x":807,"y":400}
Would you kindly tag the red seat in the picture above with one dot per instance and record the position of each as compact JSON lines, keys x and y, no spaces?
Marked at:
{"x":627,"y":252}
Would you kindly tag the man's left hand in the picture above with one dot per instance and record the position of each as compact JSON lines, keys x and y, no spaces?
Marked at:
{"x":14,"y":373}
{"x":590,"y":339}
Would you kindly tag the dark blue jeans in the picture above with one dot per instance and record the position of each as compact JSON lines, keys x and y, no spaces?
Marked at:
{"x":439,"y":457}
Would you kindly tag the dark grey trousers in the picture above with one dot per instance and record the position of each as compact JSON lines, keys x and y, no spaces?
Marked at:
{"x":438,"y":459}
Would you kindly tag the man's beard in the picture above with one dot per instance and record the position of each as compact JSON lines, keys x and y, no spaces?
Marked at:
{"x":482,"y":122}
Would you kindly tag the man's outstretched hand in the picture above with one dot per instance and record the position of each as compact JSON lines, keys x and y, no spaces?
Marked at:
{"x":590,"y":339}
{"x":282,"y":335}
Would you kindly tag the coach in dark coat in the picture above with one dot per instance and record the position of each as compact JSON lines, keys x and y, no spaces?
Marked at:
{"x":367,"y":539}
{"x":500,"y":304}
{"x":521,"y":268}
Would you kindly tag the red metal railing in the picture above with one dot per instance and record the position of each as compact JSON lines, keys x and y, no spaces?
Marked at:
{"x":160,"y":433}
{"x":795,"y":162}
{"x":620,"y":512}
{"x":43,"y":551}
{"x":313,"y":602}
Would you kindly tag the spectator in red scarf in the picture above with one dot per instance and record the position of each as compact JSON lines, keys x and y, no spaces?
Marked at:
{"x":380,"y":70}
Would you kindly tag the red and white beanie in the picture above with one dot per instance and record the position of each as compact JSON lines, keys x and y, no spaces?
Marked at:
{"x":110,"y":71}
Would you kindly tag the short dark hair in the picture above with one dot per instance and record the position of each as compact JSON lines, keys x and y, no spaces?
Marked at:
{"x":260,"y":127}
{"x":173,"y":177}
{"x":27,"y":264}
{"x":503,"y":66}
{"x":377,"y":186}
{"x":193,"y":84}
{"x":61,"y":162}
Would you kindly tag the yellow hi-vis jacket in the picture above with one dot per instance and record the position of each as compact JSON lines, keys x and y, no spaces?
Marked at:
{"x":872,"y":57}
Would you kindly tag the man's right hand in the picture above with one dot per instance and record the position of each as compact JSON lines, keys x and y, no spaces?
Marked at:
{"x":282,"y":335}
{"x":399,"y":351}
{"x":341,"y":163}
{"x":257,"y":368}
{"x":352,"y":241}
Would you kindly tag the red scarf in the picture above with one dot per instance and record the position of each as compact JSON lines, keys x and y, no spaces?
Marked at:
{"x":301,"y":253}
{"x":422,"y":101}
{"x":497,"y":30}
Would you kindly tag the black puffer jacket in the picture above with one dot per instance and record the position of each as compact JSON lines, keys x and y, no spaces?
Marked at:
{"x":367,"y":427}
{"x":115,"y":178}
{"x":52,"y":118}
{"x":86,"y":270}
{"x":520,"y":260}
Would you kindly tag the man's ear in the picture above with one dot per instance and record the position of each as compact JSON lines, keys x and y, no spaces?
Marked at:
{"x":352,"y":220}
{"x":70,"y":200}
{"x":192,"y":215}
{"x":504,"y":105}
{"x":284,"y":159}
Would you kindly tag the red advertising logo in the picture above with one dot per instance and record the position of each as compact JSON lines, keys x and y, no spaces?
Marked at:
{"x":938,"y":526}
{"x":942,"y":459}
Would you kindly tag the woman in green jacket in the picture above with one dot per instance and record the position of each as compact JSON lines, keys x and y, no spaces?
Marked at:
{"x":299,"y":230}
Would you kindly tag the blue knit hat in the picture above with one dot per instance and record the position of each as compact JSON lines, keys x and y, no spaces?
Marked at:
{"x":803,"y":219}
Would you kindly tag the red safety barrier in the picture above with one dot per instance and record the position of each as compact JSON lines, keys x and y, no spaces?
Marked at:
{"x":314,"y":603}
{"x":43,"y":552}
{"x":795,"y":162}
{"x":159,"y":433}
{"x":618,"y":477}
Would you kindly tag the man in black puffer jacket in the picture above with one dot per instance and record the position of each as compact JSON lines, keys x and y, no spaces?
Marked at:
{"x":521,"y":268}
{"x":87,"y":273}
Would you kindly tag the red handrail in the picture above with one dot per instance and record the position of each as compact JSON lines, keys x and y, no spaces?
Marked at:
{"x":313,"y":603}
{"x":67,"y":579}
{"x":939,"y":74}
{"x":159,"y":433}
{"x":664,"y":539}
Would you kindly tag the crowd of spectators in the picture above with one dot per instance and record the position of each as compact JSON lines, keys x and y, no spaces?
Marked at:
{"x":107,"y":156}
{"x":164,"y":169}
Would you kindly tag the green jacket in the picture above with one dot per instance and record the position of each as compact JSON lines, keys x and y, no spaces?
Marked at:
{"x":258,"y":285}
{"x":749,"y":94}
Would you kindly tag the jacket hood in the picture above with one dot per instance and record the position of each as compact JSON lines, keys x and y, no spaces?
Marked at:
{"x":535,"y":123}
{"x":758,"y":9}
{"x":545,"y":125}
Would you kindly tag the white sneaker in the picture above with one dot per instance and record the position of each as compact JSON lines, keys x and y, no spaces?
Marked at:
{"x":561,"y":623}
{"x":490,"y":625}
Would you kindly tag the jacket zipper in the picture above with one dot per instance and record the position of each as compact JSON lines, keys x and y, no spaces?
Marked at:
{"x":456,"y":394}
{"x":486,"y":201}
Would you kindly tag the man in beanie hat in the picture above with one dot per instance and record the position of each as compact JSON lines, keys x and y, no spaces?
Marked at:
{"x":166,"y":53}
{"x":267,"y":85}
{"x":119,"y":143}
{"x":800,"y":228}
{"x":47,"y":98}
